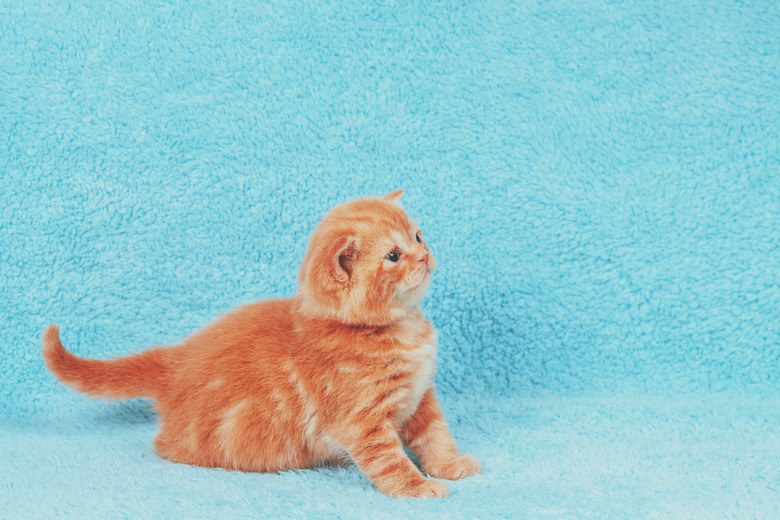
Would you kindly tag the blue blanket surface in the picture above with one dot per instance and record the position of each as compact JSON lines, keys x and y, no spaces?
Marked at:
{"x":598,"y":180}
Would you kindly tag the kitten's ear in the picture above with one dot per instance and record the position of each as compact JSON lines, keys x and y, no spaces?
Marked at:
{"x":394,"y":196}
{"x":343,"y":258}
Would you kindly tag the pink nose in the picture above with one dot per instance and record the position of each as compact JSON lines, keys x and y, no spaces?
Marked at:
{"x":424,"y":258}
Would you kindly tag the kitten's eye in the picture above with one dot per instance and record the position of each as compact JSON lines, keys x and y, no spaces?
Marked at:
{"x":393,"y":256}
{"x":418,"y":237}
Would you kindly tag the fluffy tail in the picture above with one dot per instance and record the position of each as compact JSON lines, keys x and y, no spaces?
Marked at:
{"x":138,"y":375}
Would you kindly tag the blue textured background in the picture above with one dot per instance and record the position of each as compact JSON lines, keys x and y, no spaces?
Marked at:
{"x":599,"y":181}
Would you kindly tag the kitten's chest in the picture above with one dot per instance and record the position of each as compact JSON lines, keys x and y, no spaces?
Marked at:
{"x":421,"y":366}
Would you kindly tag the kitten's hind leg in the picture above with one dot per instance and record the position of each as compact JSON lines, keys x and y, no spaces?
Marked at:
{"x":169,"y":450}
{"x":173,"y":448}
{"x":427,"y":435}
{"x":378,"y":452}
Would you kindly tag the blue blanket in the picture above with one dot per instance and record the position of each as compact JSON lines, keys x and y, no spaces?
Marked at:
{"x":599,"y":182}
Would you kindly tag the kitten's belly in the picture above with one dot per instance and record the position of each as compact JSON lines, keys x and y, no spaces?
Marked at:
{"x":327,"y":451}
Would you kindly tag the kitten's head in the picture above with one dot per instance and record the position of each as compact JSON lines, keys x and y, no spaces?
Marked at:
{"x":367,"y":264}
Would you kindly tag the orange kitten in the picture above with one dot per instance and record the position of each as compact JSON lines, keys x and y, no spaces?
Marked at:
{"x":343,"y":369}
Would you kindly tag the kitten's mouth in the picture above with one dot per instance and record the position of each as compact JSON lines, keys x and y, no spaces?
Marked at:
{"x":424,"y":279}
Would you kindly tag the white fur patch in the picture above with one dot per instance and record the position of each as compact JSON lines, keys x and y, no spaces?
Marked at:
{"x":216,"y":383}
{"x":310,"y":426}
{"x":226,"y":432}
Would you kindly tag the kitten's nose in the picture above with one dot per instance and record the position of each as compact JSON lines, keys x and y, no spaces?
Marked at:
{"x":424,"y":258}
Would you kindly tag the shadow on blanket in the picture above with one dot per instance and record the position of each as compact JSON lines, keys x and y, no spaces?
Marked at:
{"x":123,"y":413}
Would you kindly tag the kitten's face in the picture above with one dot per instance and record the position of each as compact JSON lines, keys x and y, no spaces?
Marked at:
{"x":367,"y":264}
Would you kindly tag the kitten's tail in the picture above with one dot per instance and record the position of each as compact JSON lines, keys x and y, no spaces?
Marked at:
{"x":138,"y":375}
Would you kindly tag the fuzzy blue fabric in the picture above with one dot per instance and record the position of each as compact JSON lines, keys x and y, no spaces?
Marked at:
{"x":599,"y":181}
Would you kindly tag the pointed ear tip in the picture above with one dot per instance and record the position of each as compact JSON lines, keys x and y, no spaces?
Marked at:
{"x":394,"y":196}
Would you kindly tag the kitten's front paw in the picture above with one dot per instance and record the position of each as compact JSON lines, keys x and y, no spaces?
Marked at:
{"x":428,"y":488}
{"x":459,"y":467}
{"x":431,"y":489}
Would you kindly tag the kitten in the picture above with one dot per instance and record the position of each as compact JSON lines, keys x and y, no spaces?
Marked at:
{"x":343,"y":370}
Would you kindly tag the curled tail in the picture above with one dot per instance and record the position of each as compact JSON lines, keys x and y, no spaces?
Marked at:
{"x":138,"y":375}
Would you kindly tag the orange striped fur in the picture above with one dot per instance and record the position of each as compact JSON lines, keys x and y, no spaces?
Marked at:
{"x":343,"y":370}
